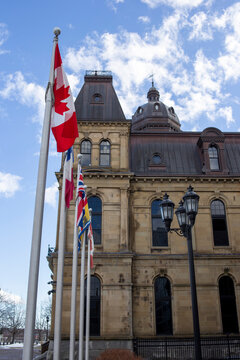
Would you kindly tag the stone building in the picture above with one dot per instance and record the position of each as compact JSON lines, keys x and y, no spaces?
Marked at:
{"x":140,"y":280}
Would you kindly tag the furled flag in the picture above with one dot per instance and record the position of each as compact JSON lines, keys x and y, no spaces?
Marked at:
{"x":90,"y":238}
{"x":69,"y":184}
{"x":83,"y":217}
{"x":63,"y":119}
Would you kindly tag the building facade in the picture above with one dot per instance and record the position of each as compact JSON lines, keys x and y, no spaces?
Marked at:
{"x":140,"y":281}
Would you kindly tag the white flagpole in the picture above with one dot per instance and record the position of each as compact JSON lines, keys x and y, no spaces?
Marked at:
{"x":38,"y":216}
{"x":74,"y":274}
{"x":60,"y":270}
{"x":81,"y":312}
{"x":88,"y":298}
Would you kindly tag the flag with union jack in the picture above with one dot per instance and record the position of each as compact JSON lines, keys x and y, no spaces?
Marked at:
{"x":83,"y":217}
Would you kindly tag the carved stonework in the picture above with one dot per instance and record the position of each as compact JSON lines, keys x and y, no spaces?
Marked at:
{"x":163,"y":272}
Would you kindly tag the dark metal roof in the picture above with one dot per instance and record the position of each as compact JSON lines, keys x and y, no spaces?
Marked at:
{"x":97,"y":99}
{"x":179,"y":154}
{"x":233,"y":157}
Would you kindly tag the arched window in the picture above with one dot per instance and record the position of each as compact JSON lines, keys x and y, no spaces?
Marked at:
{"x":163,"y":307}
{"x":228,"y":305}
{"x":95,"y":203}
{"x":159,"y":233}
{"x":86,"y":148}
{"x":219,"y":223}
{"x":95,"y":300}
{"x":105,"y":151}
{"x":213,"y":157}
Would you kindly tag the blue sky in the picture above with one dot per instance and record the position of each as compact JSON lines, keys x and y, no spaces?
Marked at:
{"x":191,"y":46}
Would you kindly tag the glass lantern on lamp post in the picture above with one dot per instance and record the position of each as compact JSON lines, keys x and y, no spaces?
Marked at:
{"x":186,"y":215}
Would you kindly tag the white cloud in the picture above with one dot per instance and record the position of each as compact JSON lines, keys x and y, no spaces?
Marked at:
{"x":131,"y":57}
{"x":229,"y":24}
{"x":226,"y":113}
{"x":206,"y":77}
{"x":29,"y":94}
{"x":144,"y":19}
{"x":112,"y":4}
{"x":200,"y":27}
{"x":9,"y":184}
{"x":51,"y":195}
{"x":11,"y":297}
{"x":74,"y":81}
{"x":4,"y":33}
{"x":174,"y":3}
{"x":194,"y":83}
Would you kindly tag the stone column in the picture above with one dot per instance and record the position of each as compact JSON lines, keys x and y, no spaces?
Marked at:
{"x":95,"y":155}
{"x":123,"y":150}
{"x":124,"y":218}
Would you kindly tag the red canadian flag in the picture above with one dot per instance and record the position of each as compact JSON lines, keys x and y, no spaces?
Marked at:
{"x":63,"y":119}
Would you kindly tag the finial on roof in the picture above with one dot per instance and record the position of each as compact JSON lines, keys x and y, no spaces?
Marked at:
{"x":153,"y":94}
{"x":151,"y":76}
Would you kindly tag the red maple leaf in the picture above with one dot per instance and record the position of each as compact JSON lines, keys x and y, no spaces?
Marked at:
{"x":60,"y":95}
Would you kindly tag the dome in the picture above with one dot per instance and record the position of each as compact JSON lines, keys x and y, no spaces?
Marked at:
{"x":155,"y":114}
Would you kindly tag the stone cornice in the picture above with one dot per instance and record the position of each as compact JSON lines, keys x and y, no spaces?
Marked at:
{"x":186,"y":179}
{"x":197,"y":256}
{"x":94,"y":123}
{"x":99,"y":254}
{"x":99,"y":173}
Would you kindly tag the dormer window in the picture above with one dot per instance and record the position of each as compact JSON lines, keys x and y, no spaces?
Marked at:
{"x":213,"y":157}
{"x":156,"y":159}
{"x":140,"y":110}
{"x":172,"y":111}
{"x":156,"y":107}
{"x":213,"y":152}
{"x":97,"y":98}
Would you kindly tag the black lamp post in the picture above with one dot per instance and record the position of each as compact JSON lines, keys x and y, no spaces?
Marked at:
{"x":47,"y":319}
{"x":186,"y":214}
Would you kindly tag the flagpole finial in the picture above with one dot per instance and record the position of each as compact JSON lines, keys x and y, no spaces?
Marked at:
{"x":57,"y":31}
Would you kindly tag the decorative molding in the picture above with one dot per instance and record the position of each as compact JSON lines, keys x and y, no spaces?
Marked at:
{"x":105,"y":134}
{"x":163,"y":272}
{"x":226,"y":270}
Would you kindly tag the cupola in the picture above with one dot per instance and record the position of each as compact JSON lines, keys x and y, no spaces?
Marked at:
{"x":155,"y":116}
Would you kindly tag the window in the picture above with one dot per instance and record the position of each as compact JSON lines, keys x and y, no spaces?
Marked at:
{"x":97,"y":98}
{"x":86,"y":148}
{"x":172,"y":111}
{"x":228,"y":305}
{"x":163,"y":308}
{"x":105,"y":150}
{"x":156,"y":107}
{"x":156,"y":159}
{"x":213,"y":157}
{"x":219,"y":223}
{"x":95,"y":299}
{"x":95,"y":203}
{"x":159,"y":233}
